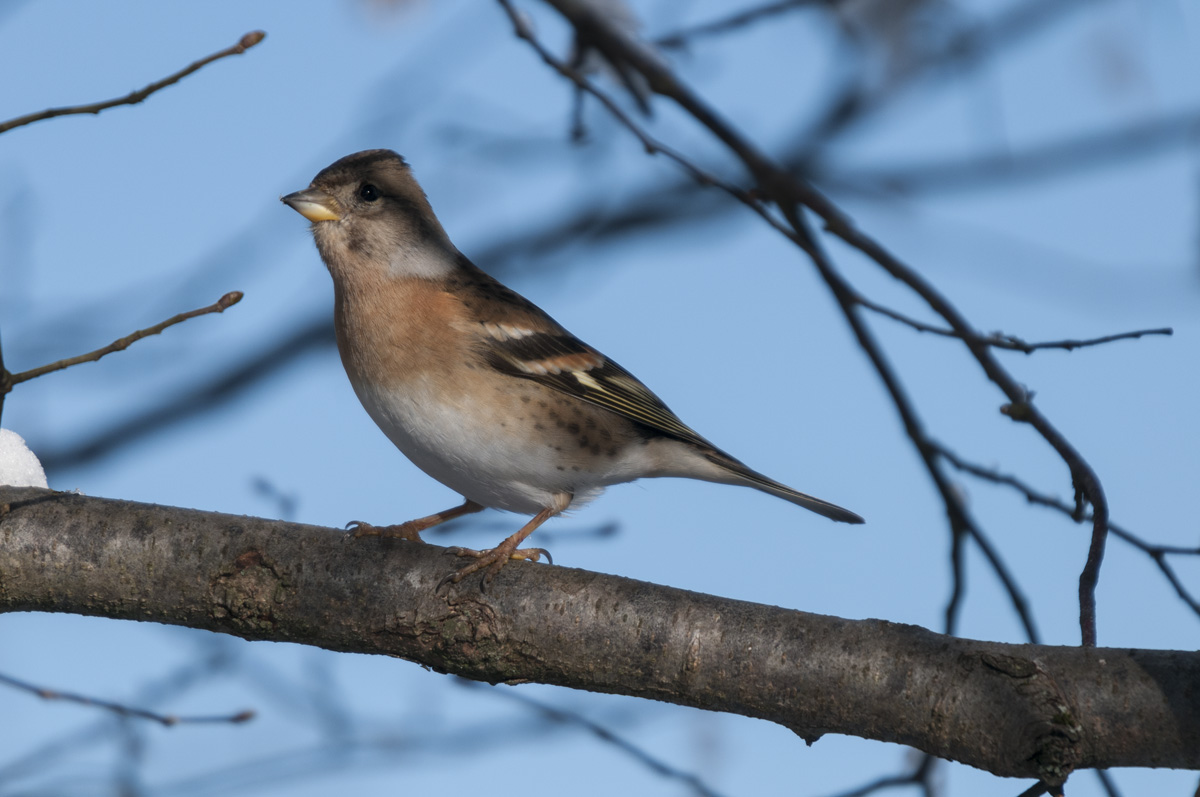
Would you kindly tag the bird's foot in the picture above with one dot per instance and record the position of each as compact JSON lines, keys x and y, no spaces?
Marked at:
{"x":493,"y":559}
{"x":409,"y":530}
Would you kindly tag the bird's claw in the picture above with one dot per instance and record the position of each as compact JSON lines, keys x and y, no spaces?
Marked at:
{"x":493,"y":559}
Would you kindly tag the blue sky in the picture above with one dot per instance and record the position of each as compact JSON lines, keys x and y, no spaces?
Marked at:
{"x":118,"y":221}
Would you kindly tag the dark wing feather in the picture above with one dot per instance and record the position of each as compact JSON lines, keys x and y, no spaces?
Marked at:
{"x":567,"y":364}
{"x":522,"y":340}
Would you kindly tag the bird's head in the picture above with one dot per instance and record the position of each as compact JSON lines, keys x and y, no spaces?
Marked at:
{"x":367,"y":212}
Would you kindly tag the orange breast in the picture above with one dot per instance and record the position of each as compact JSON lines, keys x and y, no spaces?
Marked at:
{"x":390,"y":331}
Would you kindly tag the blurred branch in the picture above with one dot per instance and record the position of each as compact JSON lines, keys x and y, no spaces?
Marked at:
{"x":167,"y":720}
{"x":204,"y":396}
{"x":1031,"y":711}
{"x":638,"y":754}
{"x":54,"y":753}
{"x":1038,"y":789}
{"x":998,"y":340}
{"x":1107,"y":784}
{"x":1048,"y":161}
{"x":681,"y":38}
{"x":921,"y":777}
{"x":957,"y":56}
{"x":244,"y":44}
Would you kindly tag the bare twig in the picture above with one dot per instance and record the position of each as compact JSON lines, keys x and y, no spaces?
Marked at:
{"x":739,"y":19}
{"x":562,"y":716}
{"x":220,"y":306}
{"x":1157,"y":553}
{"x":999,"y":340}
{"x":244,"y":44}
{"x":167,"y":720}
{"x":1021,"y":408}
{"x":961,"y":521}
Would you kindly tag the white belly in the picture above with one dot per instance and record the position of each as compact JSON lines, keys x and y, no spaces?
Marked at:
{"x":484,"y":456}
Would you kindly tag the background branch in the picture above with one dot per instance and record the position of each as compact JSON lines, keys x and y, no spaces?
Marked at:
{"x":167,"y":720}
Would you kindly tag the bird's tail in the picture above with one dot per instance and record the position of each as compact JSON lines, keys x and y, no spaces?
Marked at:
{"x":752,"y":478}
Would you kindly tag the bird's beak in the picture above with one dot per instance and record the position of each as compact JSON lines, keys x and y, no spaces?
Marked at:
{"x":313,"y":204}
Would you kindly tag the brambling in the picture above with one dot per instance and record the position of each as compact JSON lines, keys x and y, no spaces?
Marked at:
{"x":474,"y":383}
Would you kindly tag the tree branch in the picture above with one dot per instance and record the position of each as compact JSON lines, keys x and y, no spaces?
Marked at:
{"x":849,"y":299}
{"x":1030,"y":711}
{"x":244,"y":44}
{"x":788,"y":193}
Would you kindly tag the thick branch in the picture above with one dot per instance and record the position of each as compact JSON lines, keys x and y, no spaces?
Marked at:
{"x":1018,"y":710}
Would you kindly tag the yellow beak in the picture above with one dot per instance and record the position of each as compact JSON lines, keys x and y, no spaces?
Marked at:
{"x":313,"y":204}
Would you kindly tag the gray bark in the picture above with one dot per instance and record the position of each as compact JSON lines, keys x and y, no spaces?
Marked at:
{"x":1033,"y":711}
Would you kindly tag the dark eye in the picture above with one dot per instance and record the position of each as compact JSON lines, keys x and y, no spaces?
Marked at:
{"x":368,"y":193}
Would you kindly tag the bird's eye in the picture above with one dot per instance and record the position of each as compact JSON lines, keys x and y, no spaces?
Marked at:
{"x":368,"y":193}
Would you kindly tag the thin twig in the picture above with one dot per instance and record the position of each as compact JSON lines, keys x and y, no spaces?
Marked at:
{"x":244,"y":44}
{"x":739,"y":19}
{"x":603,"y":734}
{"x":167,"y":720}
{"x":1157,"y":553}
{"x":961,"y":521}
{"x":958,"y":55}
{"x":222,"y":304}
{"x":998,"y":340}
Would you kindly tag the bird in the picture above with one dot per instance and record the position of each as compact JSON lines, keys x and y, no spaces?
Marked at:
{"x":478,"y":386}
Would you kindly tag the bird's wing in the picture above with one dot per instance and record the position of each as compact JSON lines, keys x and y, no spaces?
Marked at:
{"x":521,"y":340}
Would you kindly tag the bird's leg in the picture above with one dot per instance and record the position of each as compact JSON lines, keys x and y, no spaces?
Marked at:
{"x":495,"y":558}
{"x":411,"y":530}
